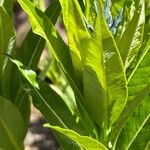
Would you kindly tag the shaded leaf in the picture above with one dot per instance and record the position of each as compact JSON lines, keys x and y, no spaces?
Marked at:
{"x":148,"y":146}
{"x":8,"y":5}
{"x":29,"y":53}
{"x":11,"y":126}
{"x":7,"y":43}
{"x":50,"y":104}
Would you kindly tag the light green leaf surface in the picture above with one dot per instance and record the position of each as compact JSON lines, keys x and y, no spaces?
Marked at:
{"x":84,"y":141}
{"x":133,"y":118}
{"x":76,"y":34}
{"x":114,"y":72}
{"x":79,"y":39}
{"x":140,"y":76}
{"x":94,"y":79}
{"x":12,"y":130}
{"x":139,"y":79}
{"x":30,"y":75}
{"x":131,"y":39}
{"x":116,"y":6}
{"x":91,"y":11}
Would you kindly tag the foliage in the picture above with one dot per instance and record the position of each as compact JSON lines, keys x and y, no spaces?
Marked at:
{"x":101,"y":100}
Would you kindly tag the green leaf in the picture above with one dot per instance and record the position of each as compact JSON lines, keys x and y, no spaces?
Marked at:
{"x":41,"y":25}
{"x":94,"y":80}
{"x":132,"y":118}
{"x":140,"y":75}
{"x":50,"y":104}
{"x":141,"y":60}
{"x":116,"y":6}
{"x":8,"y":5}
{"x":7,"y":42}
{"x":134,"y":126}
{"x":78,"y":40}
{"x":131,"y":39}
{"x":76,"y":33}
{"x":148,"y":146}
{"x":23,"y":103}
{"x":47,"y":31}
{"x":138,"y":80}
{"x":84,"y":141}
{"x":11,"y":126}
{"x":30,"y":75}
{"x":30,"y":51}
{"x":56,"y":112}
{"x":116,"y":92}
{"x":142,"y":139}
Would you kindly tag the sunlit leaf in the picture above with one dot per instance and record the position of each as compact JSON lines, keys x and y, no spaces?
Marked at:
{"x":131,"y":39}
{"x":84,"y":141}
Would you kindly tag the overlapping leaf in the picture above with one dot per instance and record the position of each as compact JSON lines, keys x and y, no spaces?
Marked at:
{"x":42,"y":26}
{"x":84,"y":141}
{"x":76,"y":34}
{"x":138,"y":80}
{"x":50,"y":104}
{"x":29,"y":53}
{"x":7,"y":43}
{"x":94,"y":75}
{"x":132,"y":119}
{"x":131,"y":39}
{"x":47,"y":31}
{"x":114,"y":72}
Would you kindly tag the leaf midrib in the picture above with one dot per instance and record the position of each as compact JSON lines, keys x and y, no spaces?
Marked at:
{"x":137,"y":132}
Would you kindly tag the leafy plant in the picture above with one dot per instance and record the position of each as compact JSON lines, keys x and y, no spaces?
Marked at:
{"x":105,"y":64}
